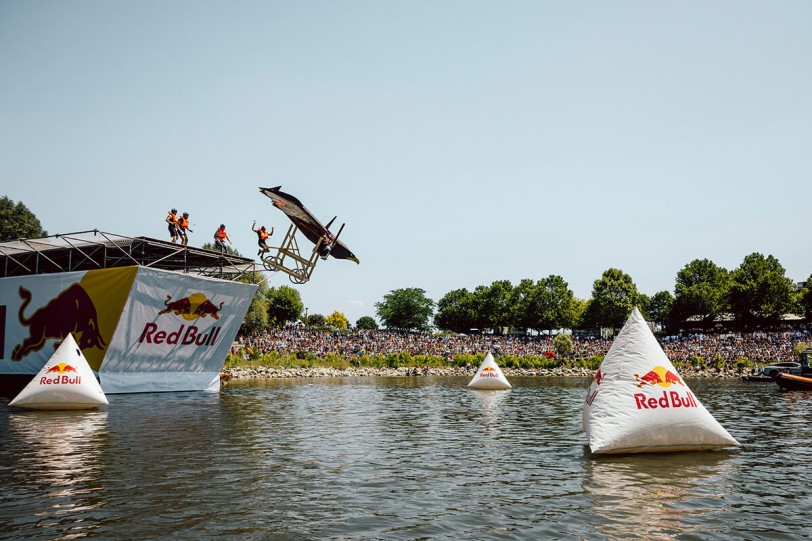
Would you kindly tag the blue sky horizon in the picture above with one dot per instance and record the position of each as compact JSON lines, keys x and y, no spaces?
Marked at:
{"x":462,"y":142}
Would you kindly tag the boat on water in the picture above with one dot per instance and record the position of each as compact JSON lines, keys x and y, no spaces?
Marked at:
{"x":791,"y":382}
{"x":759,"y":379}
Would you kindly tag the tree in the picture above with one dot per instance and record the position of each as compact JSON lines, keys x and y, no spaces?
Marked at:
{"x":337,"y":320}
{"x":407,"y":308}
{"x":805,"y":299}
{"x":316,"y":320}
{"x":229,"y":249}
{"x":17,"y":222}
{"x":551,"y":304}
{"x":366,"y":322}
{"x":256,"y":319}
{"x":614,"y":296}
{"x":284,"y":304}
{"x":492,"y":305}
{"x":701,"y":291}
{"x":455,"y":311}
{"x":760,"y":291}
{"x":562,"y":344}
{"x":659,"y":309}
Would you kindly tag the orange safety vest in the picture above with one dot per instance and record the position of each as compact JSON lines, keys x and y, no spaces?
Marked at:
{"x":220,"y":233}
{"x":172,"y":218}
{"x":183,"y":222}
{"x":263,"y":235}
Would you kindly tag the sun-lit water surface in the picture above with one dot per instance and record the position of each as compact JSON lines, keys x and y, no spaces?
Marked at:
{"x":396,"y":458}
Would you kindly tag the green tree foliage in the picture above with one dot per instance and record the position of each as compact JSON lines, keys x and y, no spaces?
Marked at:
{"x":760,"y":291}
{"x":805,"y":300}
{"x":456,"y":311}
{"x":17,"y":222}
{"x":493,"y":306}
{"x":284,"y":304}
{"x":614,"y":296}
{"x":256,"y":319}
{"x":366,"y":322}
{"x":562,"y":344}
{"x":316,"y":320}
{"x":407,"y":308}
{"x":229,"y":249}
{"x":659,"y":307}
{"x":701,"y":291}
{"x":552,"y":304}
{"x":337,"y":320}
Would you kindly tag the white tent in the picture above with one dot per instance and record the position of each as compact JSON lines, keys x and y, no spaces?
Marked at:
{"x":65,"y":382}
{"x":489,"y":376}
{"x":638,"y":403}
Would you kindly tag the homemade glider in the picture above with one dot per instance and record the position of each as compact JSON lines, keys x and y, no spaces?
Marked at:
{"x":289,"y":258}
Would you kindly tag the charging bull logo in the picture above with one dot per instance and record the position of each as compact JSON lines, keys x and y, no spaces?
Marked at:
{"x":192,"y":307}
{"x":658,"y":375}
{"x":71,"y":311}
{"x":662,"y":377}
{"x":60,"y":368}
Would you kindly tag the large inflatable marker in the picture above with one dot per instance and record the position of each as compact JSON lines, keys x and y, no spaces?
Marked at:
{"x":638,"y":403}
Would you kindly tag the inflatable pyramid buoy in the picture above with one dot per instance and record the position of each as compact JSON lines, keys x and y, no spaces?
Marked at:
{"x":489,"y":376}
{"x":65,"y":382}
{"x":637,"y":402}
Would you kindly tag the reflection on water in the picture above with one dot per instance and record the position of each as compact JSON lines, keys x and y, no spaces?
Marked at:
{"x":394,"y":458}
{"x":59,"y":462}
{"x":654,"y":496}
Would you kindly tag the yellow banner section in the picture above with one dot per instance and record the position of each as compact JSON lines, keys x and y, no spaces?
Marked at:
{"x":109,"y":289}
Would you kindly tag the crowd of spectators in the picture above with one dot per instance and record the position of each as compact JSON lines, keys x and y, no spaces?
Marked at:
{"x":760,"y":347}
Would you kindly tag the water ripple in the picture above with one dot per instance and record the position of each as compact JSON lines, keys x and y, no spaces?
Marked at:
{"x":399,"y":458}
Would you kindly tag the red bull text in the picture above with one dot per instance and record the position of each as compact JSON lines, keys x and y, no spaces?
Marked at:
{"x":669,"y":399}
{"x":183,"y":335}
{"x":489,"y":372}
{"x":61,"y":377}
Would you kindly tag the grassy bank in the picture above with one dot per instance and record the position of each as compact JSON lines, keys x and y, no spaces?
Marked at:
{"x":406,"y":360}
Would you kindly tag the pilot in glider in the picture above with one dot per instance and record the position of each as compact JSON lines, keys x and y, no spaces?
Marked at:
{"x":289,"y":259}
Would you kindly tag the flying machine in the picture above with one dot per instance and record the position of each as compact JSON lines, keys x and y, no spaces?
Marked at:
{"x":289,"y":258}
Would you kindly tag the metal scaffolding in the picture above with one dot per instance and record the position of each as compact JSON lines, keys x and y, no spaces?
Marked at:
{"x":89,"y":250}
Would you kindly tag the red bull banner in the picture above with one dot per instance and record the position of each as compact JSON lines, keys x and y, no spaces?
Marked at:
{"x":175,"y":333}
{"x":39,"y":312}
{"x":140,"y":329}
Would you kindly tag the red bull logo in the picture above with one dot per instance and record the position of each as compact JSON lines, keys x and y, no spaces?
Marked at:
{"x":658,"y":375}
{"x":71,"y":311}
{"x":190,"y":308}
{"x":664,"y":378}
{"x":58,"y":374}
{"x":489,"y":372}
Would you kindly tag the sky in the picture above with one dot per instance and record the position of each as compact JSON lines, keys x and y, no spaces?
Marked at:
{"x":462,"y":142}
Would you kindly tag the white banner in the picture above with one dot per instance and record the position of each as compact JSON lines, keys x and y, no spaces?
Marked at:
{"x":174,"y":333}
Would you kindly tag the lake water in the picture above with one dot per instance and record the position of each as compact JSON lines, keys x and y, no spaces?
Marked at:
{"x":396,"y":458}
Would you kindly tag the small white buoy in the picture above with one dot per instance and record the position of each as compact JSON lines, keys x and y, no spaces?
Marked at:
{"x":489,"y":376}
{"x":66,"y":382}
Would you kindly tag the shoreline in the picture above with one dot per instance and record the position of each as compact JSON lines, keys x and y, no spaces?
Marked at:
{"x":270,"y":372}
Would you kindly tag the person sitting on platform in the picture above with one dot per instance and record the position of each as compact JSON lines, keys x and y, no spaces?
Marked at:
{"x":262,"y":236}
{"x":220,"y":238}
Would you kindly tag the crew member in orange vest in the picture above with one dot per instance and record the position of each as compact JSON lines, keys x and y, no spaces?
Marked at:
{"x":183,"y":227}
{"x":262,"y":236}
{"x":172,"y":220}
{"x":220,"y":238}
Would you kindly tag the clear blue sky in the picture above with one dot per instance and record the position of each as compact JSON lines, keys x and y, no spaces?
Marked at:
{"x":463,"y":142}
